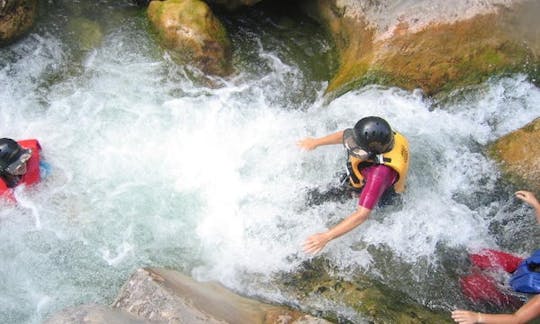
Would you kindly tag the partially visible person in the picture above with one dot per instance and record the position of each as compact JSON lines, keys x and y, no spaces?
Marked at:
{"x":524,"y":314}
{"x":530,"y":199}
{"x":19,"y":164}
{"x":378,"y":162}
{"x":525,"y":279}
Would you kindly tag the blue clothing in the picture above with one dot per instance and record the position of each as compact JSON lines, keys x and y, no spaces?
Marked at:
{"x":44,"y":169}
{"x":526,"y":278}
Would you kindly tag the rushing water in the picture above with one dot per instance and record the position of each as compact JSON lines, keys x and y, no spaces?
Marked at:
{"x":151,"y":168}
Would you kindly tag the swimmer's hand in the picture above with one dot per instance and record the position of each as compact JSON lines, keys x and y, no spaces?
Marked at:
{"x":316,"y":242}
{"x":527,"y":197}
{"x":466,"y":317}
{"x":308,"y":143}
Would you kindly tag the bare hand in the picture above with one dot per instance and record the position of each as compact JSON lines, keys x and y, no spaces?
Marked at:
{"x":527,"y":197}
{"x":465,"y":317}
{"x":308,"y":143}
{"x":315,"y":243}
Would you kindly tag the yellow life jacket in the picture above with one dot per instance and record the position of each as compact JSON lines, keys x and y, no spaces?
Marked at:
{"x":397,"y":159}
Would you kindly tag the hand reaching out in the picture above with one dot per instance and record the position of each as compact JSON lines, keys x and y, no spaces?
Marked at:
{"x":308,"y":143}
{"x":527,"y":197}
{"x":315,"y":243}
{"x":465,"y":317}
{"x":530,"y":199}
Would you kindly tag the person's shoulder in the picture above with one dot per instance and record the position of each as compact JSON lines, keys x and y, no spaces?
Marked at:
{"x":31,"y":142}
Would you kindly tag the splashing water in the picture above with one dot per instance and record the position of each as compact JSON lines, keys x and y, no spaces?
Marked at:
{"x":149,"y":168}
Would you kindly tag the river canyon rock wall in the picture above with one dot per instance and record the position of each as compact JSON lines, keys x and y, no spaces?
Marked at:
{"x":437,"y":46}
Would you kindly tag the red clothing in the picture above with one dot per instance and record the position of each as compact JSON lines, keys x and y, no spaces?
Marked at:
{"x":492,"y":259}
{"x":481,"y":287}
{"x":32,"y":174}
{"x":378,"y":178}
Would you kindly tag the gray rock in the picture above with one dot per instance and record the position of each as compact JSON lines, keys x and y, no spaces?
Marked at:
{"x":169,"y":296}
{"x":94,"y":314}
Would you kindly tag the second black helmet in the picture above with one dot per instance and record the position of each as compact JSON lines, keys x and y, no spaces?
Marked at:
{"x":12,"y":155}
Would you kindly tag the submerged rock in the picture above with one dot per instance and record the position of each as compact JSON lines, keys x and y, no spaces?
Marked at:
{"x":16,"y":18}
{"x":437,"y":46}
{"x":518,"y":154}
{"x":192,"y":33}
{"x":376,"y":302}
{"x":85,"y":34}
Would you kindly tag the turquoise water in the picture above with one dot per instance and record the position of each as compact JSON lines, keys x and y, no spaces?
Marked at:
{"x":151,"y":167}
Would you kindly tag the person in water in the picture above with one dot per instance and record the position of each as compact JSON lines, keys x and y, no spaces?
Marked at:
{"x":19,"y":164}
{"x":378,"y":160}
{"x":531,"y":309}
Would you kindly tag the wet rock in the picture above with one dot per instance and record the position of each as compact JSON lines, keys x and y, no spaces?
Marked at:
{"x":165,"y":296}
{"x":436,"y":46}
{"x":373,"y":300}
{"x":94,"y":314}
{"x":518,"y":154}
{"x":192,"y":33}
{"x":16,"y":18}
{"x":171,"y":297}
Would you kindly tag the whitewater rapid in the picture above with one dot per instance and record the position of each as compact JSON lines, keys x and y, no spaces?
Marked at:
{"x":150,"y":168}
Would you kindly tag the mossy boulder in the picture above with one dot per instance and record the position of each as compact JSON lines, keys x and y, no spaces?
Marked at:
{"x":16,"y":18}
{"x":518,"y":154}
{"x":385,"y":42}
{"x":376,"y":302}
{"x":192,"y":33}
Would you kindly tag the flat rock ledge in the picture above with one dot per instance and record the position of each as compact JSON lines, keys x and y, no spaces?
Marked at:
{"x":154,"y":295}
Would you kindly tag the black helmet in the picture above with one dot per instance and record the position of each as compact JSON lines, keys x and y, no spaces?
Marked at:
{"x":373,"y":134}
{"x":13,"y":156}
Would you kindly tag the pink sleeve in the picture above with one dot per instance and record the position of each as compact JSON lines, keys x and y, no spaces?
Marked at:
{"x":377,"y":179}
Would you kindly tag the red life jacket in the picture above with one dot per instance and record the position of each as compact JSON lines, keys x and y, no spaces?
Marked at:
{"x":32,"y":174}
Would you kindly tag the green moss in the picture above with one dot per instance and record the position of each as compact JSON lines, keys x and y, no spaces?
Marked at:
{"x":366,"y":296}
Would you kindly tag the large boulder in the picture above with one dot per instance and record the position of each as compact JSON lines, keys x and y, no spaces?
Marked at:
{"x":168,"y":296}
{"x":192,"y":33}
{"x":93,"y":314}
{"x":155,"y":295}
{"x":434,"y":45}
{"x":16,"y":18}
{"x":518,"y":154}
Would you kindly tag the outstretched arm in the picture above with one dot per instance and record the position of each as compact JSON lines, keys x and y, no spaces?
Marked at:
{"x":311,"y":143}
{"x":530,"y":199}
{"x":317,"y":242}
{"x":526,"y":313}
